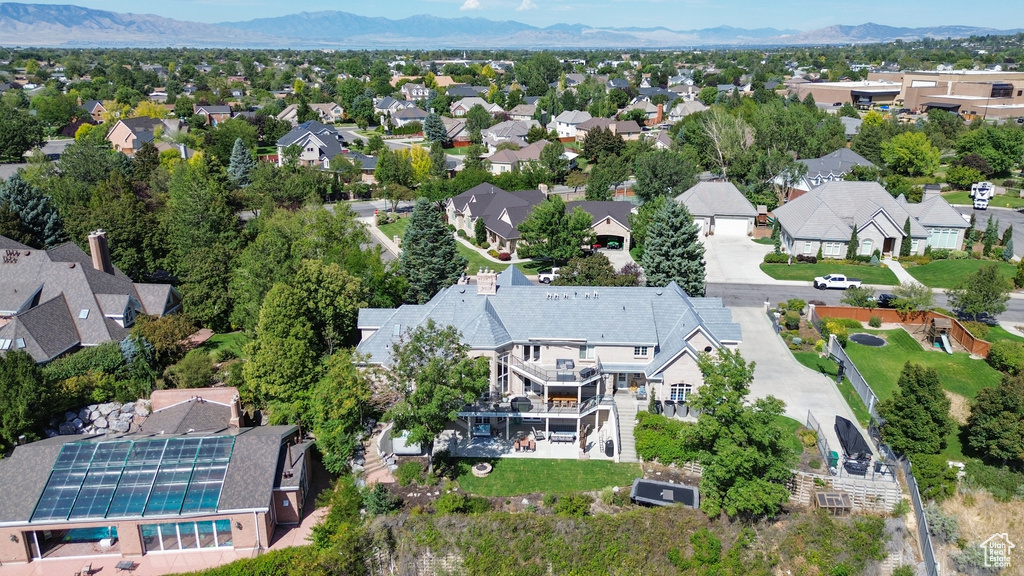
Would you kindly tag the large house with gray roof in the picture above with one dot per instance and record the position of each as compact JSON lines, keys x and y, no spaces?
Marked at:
{"x":317,"y":144}
{"x":188,"y":476}
{"x":826,"y":216}
{"x":55,"y":301}
{"x":829,"y":168}
{"x":559,"y":354}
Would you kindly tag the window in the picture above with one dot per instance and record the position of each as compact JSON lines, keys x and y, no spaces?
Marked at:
{"x":944,"y":238}
{"x":83,"y":313}
{"x":503,"y":373}
{"x":680,"y":392}
{"x":586,"y":352}
{"x":531,"y":353}
{"x":865,"y":246}
{"x":831,"y":249}
{"x":640,"y":351}
{"x":914,"y":246}
{"x":808,"y":247}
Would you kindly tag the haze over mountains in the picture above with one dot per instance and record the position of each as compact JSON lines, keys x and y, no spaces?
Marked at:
{"x":75,"y":26}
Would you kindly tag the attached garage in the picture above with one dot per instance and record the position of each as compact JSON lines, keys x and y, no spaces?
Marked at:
{"x":721,"y":207}
{"x":725,"y":226}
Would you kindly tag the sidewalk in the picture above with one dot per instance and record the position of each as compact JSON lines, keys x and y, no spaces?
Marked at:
{"x":901,"y":274}
{"x":388,"y":243}
{"x":484,"y":253}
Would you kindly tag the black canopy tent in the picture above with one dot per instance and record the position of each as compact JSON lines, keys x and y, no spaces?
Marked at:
{"x":853,"y":443}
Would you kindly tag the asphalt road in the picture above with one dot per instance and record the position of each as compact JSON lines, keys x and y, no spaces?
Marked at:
{"x":1005,"y":216}
{"x":755,"y":294}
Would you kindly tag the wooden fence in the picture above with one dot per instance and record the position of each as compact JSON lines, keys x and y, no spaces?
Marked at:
{"x":974,"y":345}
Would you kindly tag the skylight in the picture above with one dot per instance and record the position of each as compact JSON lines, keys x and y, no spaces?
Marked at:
{"x":148,"y":477}
{"x":84,"y":313}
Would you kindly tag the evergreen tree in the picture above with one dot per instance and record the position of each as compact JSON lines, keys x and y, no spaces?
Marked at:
{"x":429,"y":257}
{"x":39,"y":217}
{"x":480,"y":232}
{"x":905,"y":244}
{"x":24,"y":407}
{"x":917,"y":416}
{"x":438,"y":161}
{"x":1007,"y":236}
{"x":972,"y":234}
{"x":434,"y":130}
{"x":673,"y":252}
{"x":991,"y":235}
{"x":851,"y":248}
{"x":242,"y":164}
{"x":1008,"y":250}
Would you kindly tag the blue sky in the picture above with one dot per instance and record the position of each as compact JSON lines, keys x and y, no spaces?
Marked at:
{"x":674,"y":14}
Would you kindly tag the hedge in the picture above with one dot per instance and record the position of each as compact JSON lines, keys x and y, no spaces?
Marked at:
{"x":662,"y":439}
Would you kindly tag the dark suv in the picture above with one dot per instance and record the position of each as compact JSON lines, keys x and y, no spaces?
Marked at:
{"x":886,"y":301}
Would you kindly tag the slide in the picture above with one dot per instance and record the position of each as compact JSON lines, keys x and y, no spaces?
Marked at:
{"x":945,"y":344}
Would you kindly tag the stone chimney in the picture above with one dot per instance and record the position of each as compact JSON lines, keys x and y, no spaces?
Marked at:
{"x":931,"y":191}
{"x":487,"y":282}
{"x":661,"y":113}
{"x":100,"y":252}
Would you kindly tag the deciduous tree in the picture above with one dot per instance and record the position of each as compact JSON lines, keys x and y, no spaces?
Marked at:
{"x":995,"y":427}
{"x":917,"y":416}
{"x":662,"y":173}
{"x":551,"y":233}
{"x":983,"y":292}
{"x":911,"y":154}
{"x":432,"y":369}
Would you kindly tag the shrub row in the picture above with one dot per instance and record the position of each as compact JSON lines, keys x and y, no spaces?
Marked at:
{"x":840,"y":327}
{"x":1007,"y":356}
{"x":662,"y":439}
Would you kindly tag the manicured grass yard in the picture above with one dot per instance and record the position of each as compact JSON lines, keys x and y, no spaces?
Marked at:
{"x":881,"y":367}
{"x":1000,"y":201}
{"x":791,"y":439}
{"x":396,"y":228}
{"x":947,"y":273}
{"x":807,"y":272}
{"x":517,"y":476}
{"x":999,"y":334}
{"x":233,"y":341}
{"x":817,"y":363}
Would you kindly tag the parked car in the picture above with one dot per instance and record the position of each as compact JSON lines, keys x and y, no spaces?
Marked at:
{"x":886,"y":301}
{"x":835,"y":281}
{"x":547,"y":277}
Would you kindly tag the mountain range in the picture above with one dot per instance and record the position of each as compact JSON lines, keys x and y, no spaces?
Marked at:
{"x":75,"y":26}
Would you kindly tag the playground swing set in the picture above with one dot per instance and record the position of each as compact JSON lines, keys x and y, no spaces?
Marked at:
{"x":939,"y":333}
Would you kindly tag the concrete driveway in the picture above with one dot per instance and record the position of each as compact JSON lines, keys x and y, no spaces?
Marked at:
{"x":778,"y":374}
{"x":735,"y":260}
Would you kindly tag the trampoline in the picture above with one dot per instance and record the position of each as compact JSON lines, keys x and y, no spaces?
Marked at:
{"x":867,"y":339}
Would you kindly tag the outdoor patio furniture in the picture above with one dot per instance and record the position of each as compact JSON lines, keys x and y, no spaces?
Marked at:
{"x":126,"y":566}
{"x":532,"y":445}
{"x":87,"y":569}
{"x":558,"y":436}
{"x":538,"y":435}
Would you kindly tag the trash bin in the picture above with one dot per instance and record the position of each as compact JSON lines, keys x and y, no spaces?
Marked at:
{"x":609,"y":448}
{"x":682,"y":410}
{"x":670,"y":408}
{"x":657,"y":407}
{"x":833,"y":459}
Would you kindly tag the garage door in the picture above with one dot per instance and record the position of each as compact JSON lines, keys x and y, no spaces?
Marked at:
{"x":730,"y":226}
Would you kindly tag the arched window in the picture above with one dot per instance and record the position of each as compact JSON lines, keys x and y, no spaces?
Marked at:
{"x":680,"y":392}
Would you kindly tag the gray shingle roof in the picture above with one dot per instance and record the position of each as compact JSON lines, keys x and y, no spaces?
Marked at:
{"x":716,"y":199}
{"x":827,"y":212}
{"x":23,"y":476}
{"x":47,"y":331}
{"x":934,"y":212}
{"x":516,"y":313}
{"x":190,"y":416}
{"x":834,"y":164}
{"x":599,"y":210}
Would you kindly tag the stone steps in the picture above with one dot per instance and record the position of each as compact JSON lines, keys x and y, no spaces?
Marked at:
{"x":626,"y":408}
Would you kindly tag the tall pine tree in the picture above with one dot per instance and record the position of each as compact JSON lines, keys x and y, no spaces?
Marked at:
{"x":242,"y":165}
{"x":430,"y":260}
{"x":851,"y":248}
{"x":39,"y":217}
{"x":434,"y":129}
{"x":905,"y":244}
{"x":673,"y":252}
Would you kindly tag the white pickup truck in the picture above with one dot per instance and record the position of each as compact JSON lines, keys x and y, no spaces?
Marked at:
{"x":835,"y":281}
{"x":547,"y":277}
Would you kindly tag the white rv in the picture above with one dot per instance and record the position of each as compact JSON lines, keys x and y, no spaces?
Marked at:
{"x":982,"y":192}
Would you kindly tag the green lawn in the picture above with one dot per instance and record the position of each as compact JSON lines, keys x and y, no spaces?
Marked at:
{"x":819,"y":364}
{"x":769,"y":241}
{"x":881,"y":367}
{"x":807,"y":272}
{"x":946,"y":273}
{"x":791,"y":439}
{"x":999,"y":334}
{"x":518,"y":476}
{"x":1000,"y":201}
{"x":232,"y":341}
{"x":396,"y":228}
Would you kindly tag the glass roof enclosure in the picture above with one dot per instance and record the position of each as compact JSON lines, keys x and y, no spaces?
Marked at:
{"x":133,"y":478}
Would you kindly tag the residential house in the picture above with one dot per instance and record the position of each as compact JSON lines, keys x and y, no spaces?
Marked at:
{"x":456,"y":130}
{"x":328,"y":112}
{"x":851,"y":126}
{"x":719,"y":208}
{"x":567,"y":122}
{"x":95,"y":109}
{"x":826,"y":216}
{"x":683,"y":109}
{"x":190,"y":477}
{"x":561,"y":358}
{"x":414,"y":92}
{"x":502,"y":212}
{"x":627,"y":129}
{"x":459,"y":91}
{"x":616,"y":83}
{"x":461,"y":107}
{"x":653,"y":113}
{"x":408,"y":115}
{"x":508,"y":131}
{"x":58,"y":300}
{"x":829,"y":168}
{"x":214,"y":114}
{"x":387,"y":105}
{"x":317,"y":144}
{"x":523,"y":112}
{"x":662,"y":141}
{"x":129,"y":134}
